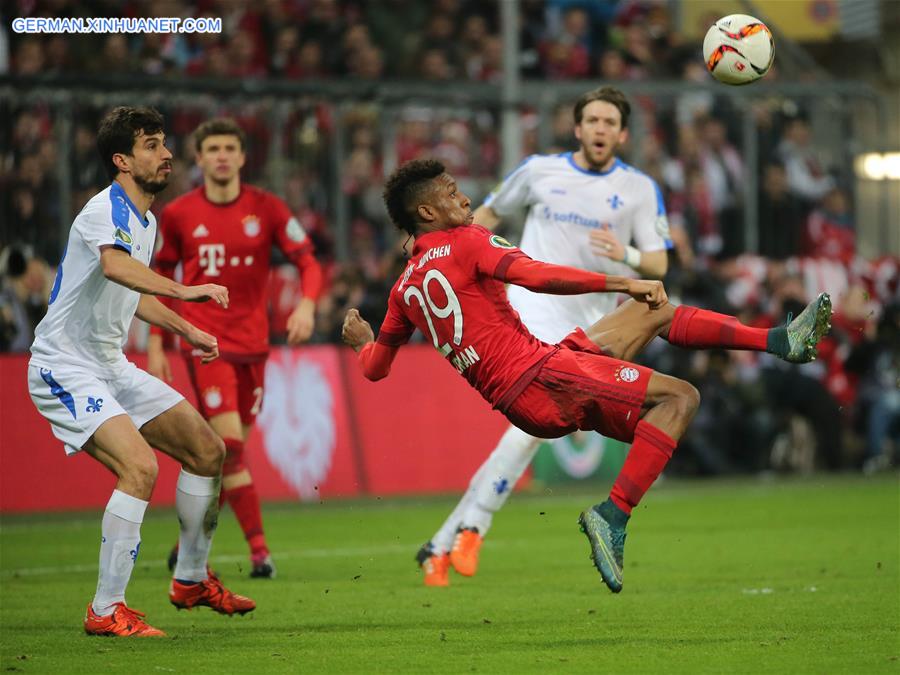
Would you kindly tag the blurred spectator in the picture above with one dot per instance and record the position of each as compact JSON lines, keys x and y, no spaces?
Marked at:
{"x":23,"y":299}
{"x":876,"y":363}
{"x":723,"y":172}
{"x":434,"y":64}
{"x":611,"y":66}
{"x":806,"y":176}
{"x":780,"y":215}
{"x":830,"y":231}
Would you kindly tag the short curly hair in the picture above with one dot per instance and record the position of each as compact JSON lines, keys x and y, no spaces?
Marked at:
{"x":405,"y":186}
{"x":118,"y":130}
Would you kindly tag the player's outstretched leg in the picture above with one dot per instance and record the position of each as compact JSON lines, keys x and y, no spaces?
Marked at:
{"x":670,"y":404}
{"x":795,"y":343}
{"x":623,"y":333}
{"x":183,"y":434}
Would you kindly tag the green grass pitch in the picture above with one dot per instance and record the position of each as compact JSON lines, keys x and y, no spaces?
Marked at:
{"x":729,"y":576}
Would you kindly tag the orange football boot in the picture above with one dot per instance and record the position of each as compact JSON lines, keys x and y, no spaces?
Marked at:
{"x":464,"y":556}
{"x":123,"y":622}
{"x":209,"y":593}
{"x":436,"y":567}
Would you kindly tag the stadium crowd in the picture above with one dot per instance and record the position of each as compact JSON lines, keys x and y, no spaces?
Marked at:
{"x":844,"y":412}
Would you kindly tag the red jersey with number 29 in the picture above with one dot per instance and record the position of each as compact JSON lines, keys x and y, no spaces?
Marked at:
{"x":452,"y":291}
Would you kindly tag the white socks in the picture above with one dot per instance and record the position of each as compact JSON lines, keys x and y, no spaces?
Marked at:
{"x":490,"y":487}
{"x":503,"y":469}
{"x":197,"y":504}
{"x":119,"y":545}
{"x":443,"y":540}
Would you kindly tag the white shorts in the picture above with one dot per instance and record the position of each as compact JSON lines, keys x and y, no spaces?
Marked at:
{"x":76,"y":402}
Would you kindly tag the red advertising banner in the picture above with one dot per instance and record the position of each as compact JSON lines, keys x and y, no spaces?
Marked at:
{"x":324,"y":432}
{"x":422,"y":428}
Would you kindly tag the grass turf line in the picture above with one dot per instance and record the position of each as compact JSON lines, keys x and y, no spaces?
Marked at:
{"x":791,"y":576}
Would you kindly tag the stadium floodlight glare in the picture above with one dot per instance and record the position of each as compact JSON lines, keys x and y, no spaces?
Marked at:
{"x":878,"y":166}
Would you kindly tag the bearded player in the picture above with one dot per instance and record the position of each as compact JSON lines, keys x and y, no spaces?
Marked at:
{"x":585,"y":209}
{"x":453,"y":291}
{"x":224,"y":231}
{"x":100,"y":403}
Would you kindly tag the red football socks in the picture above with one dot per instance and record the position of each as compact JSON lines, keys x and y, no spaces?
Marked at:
{"x":646,"y":459}
{"x":701,"y":328}
{"x":244,"y":500}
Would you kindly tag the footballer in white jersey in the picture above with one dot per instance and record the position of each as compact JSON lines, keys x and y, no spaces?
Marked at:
{"x":97,"y":401}
{"x":565,"y":204}
{"x":88,"y":317}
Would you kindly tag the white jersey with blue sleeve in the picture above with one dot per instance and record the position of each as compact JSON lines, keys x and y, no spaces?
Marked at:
{"x":88,"y":317}
{"x":565,"y":202}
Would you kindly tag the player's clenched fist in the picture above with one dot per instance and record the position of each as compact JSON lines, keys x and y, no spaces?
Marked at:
{"x":356,"y":331}
{"x":647,"y":290}
{"x":207,"y":346}
{"x":206,"y":292}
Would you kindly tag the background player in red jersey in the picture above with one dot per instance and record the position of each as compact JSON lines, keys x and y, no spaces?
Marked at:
{"x":224,"y":232}
{"x":453,"y":291}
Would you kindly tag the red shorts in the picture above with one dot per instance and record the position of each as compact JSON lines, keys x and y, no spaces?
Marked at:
{"x":222,"y":386}
{"x":580,"y":388}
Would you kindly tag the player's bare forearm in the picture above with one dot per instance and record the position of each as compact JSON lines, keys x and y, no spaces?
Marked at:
{"x":151,"y":310}
{"x":485,"y":216}
{"x":154,"y":312}
{"x":654,"y":264}
{"x":120,"y":267}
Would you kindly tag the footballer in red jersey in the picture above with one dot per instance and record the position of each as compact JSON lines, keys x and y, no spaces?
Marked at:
{"x":452,"y":290}
{"x":223,"y":232}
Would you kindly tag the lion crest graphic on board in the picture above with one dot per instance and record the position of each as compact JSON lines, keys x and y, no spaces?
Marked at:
{"x":297,"y":422}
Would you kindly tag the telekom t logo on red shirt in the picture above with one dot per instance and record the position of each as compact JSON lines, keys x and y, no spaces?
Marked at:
{"x":212,"y":257}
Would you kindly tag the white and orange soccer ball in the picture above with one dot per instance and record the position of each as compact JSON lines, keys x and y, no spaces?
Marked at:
{"x":738,"y":49}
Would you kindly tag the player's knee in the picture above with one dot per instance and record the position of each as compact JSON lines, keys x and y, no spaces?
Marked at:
{"x":234,"y":458}
{"x":688,"y":399}
{"x":209,"y":453}
{"x":141,"y":471}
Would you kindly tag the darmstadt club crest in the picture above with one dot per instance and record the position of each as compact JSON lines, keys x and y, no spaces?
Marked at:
{"x":627,"y":374}
{"x":212,"y":397}
{"x":251,"y":226}
{"x":297,"y":422}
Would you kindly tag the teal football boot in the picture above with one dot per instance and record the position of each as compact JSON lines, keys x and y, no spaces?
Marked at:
{"x":796,"y":342}
{"x":605,"y":530}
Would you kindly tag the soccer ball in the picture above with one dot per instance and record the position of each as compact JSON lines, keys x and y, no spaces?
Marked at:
{"x":738,"y":49}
